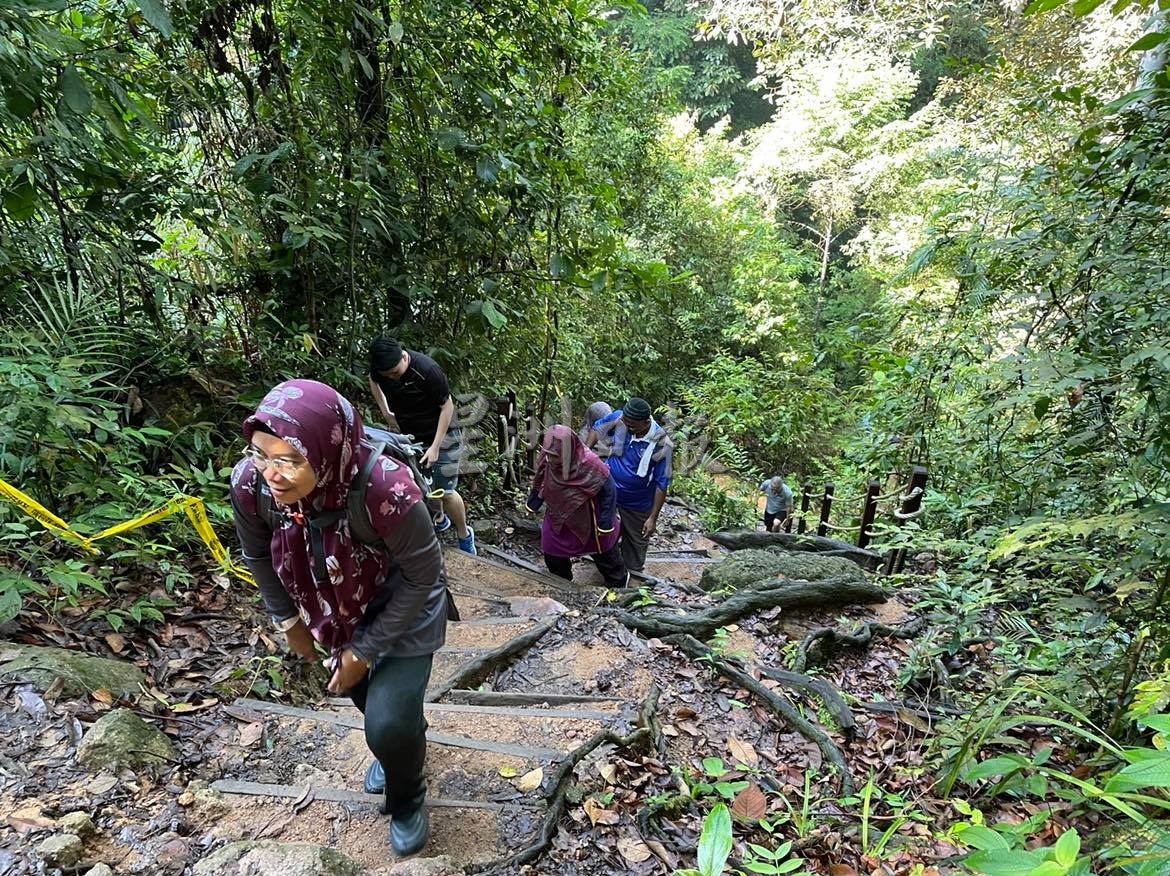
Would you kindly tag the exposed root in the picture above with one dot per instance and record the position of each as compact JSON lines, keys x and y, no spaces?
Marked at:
{"x":774,"y":701}
{"x":475,"y":671}
{"x":824,"y":689}
{"x":825,"y":593}
{"x":738,"y":539}
{"x":819,"y":642}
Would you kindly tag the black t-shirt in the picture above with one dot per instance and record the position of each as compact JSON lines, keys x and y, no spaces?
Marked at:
{"x":416,"y":397}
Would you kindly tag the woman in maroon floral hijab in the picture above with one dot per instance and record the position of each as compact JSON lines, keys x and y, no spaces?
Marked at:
{"x":580,"y":516}
{"x":380,"y":611}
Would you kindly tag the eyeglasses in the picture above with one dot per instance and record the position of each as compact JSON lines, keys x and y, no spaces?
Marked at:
{"x":284,"y":467}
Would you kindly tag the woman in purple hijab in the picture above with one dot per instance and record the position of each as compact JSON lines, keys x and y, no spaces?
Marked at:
{"x":580,"y":515}
{"x":379,"y":610}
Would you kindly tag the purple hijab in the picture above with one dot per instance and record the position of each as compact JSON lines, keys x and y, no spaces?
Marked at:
{"x":324,"y":428}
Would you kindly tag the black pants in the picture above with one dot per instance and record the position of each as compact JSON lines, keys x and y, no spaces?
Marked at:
{"x":391,"y":698}
{"x":769,"y":519}
{"x":609,"y":564}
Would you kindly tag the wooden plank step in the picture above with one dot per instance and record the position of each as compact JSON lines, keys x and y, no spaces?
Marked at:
{"x":344,"y":795}
{"x":502,"y":711}
{"x":477,"y":621}
{"x":357,"y":723}
{"x":518,"y":698}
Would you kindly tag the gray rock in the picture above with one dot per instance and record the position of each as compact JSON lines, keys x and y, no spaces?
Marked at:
{"x":440,"y":865}
{"x":205,"y":800}
{"x":78,"y":824}
{"x":80,"y":673}
{"x":121,"y":739}
{"x":746,"y":568}
{"x":62,"y":850}
{"x":269,"y":858}
{"x":485,"y":532}
{"x":99,"y":870}
{"x":535,"y":606}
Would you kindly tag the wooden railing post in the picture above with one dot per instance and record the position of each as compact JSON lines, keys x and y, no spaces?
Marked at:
{"x":805,"y":499}
{"x":911,"y":504}
{"x":826,"y":505}
{"x":505,"y":437}
{"x":868,"y":512}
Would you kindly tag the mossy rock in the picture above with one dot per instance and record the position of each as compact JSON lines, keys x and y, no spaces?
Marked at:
{"x":80,"y":673}
{"x":121,"y":739}
{"x":747,"y":568}
{"x":269,"y":858}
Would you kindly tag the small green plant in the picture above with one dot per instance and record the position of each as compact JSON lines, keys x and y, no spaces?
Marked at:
{"x":645,"y":598}
{"x":714,"y":844}
{"x":761,"y":859}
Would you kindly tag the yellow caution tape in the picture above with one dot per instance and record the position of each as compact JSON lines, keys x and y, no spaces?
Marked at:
{"x":193,"y":506}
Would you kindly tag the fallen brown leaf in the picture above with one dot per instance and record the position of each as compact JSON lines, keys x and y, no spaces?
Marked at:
{"x":608,"y":772}
{"x":24,"y":822}
{"x":750,"y":804}
{"x":633,"y":849}
{"x":250,"y":734}
{"x":530,"y":781}
{"x":662,"y":853}
{"x":841,"y":870}
{"x":103,"y":696}
{"x":598,"y":814}
{"x":116,"y":641}
{"x":742,"y":752}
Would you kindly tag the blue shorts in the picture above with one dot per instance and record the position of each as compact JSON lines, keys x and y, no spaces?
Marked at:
{"x":444,"y":474}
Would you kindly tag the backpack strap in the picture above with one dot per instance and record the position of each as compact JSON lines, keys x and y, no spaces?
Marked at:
{"x":266,"y":508}
{"x":356,"y":512}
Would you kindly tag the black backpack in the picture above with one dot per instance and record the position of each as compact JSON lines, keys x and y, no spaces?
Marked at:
{"x":385,"y":444}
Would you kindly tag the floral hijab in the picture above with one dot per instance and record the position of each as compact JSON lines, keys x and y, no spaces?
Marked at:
{"x":568,"y":476}
{"x":324,"y":428}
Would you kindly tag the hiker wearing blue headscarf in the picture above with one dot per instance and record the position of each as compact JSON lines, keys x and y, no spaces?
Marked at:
{"x":638,"y":453}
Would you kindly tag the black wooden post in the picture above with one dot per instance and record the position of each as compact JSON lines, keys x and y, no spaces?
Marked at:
{"x":911,"y":504}
{"x":805,"y":499}
{"x":826,"y":506}
{"x":868,"y":512}
{"x":503,"y":438}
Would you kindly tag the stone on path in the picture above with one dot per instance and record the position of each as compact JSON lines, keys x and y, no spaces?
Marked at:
{"x":99,"y":870}
{"x":270,"y":858}
{"x":78,"y":824}
{"x":746,"y":568}
{"x":485,"y":531}
{"x":204,"y":799}
{"x":62,"y":850}
{"x":121,"y":739}
{"x":535,"y":606}
{"x":80,"y":673}
{"x":440,"y":865}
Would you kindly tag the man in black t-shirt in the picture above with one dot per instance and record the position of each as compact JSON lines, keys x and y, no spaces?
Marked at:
{"x":412,"y":392}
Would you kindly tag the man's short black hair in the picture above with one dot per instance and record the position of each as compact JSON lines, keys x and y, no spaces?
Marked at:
{"x":385,"y":353}
{"x":637,"y":409}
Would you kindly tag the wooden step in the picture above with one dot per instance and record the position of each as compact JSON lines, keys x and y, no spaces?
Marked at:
{"x":344,"y":795}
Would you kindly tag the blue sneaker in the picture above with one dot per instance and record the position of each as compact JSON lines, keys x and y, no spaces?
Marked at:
{"x":408,"y":834}
{"x":467,"y":545}
{"x":442,"y":523}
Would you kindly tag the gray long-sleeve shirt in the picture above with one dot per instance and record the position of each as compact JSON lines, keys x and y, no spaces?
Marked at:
{"x":407,"y":616}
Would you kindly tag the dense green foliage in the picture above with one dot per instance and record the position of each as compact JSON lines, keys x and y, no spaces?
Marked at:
{"x":842,"y":239}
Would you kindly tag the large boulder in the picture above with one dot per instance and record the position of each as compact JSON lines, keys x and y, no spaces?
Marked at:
{"x":270,"y":858}
{"x":747,"y":568}
{"x":80,"y":673}
{"x":121,"y":739}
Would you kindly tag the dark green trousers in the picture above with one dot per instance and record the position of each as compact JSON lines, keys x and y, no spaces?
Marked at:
{"x":391,"y":699}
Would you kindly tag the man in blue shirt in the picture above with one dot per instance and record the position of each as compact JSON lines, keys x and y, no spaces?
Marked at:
{"x":777,"y":505}
{"x":638,"y":454}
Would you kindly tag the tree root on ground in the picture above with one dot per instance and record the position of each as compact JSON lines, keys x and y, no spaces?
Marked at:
{"x":828,"y":592}
{"x":646,"y":737}
{"x":739,"y":539}
{"x":776,"y":702}
{"x":475,"y":671}
{"x":820,"y":641}
{"x":824,"y":689}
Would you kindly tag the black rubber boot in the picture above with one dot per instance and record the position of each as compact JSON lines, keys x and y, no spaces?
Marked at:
{"x":375,"y":781}
{"x":408,"y":834}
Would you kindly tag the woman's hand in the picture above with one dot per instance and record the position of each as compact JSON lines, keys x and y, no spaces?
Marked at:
{"x":347,"y":672}
{"x":300,"y":640}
